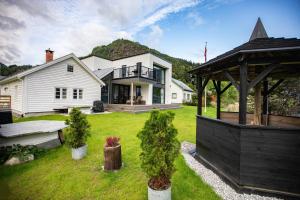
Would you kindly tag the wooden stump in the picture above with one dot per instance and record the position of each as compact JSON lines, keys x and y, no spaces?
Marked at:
{"x":112,"y":158}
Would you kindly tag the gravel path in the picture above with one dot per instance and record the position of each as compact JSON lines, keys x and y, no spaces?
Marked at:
{"x":212,"y":179}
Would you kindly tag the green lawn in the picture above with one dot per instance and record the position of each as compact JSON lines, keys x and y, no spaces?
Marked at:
{"x":57,"y":176}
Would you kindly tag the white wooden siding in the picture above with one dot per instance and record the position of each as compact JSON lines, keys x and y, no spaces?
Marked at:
{"x":15,"y":90}
{"x":179,"y":92}
{"x":40,"y":87}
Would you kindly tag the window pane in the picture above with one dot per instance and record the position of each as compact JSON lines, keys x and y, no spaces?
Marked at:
{"x":64,"y":93}
{"x":80,"y":94}
{"x":74,"y":93}
{"x":70,"y":68}
{"x":57,"y":93}
{"x":174,"y":95}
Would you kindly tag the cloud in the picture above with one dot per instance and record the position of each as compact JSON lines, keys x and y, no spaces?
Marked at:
{"x":153,"y":38}
{"x":164,"y":11}
{"x":194,"y":19}
{"x":10,"y":23}
{"x":27,"y":28}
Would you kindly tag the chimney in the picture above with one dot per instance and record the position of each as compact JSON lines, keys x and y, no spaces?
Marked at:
{"x":49,"y":55}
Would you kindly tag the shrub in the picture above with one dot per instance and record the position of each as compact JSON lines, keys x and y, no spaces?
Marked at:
{"x":160,"y":148}
{"x":112,"y":141}
{"x":78,"y":129}
{"x":19,"y":151}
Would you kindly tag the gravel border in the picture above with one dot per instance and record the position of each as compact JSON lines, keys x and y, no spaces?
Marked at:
{"x":224,"y":190}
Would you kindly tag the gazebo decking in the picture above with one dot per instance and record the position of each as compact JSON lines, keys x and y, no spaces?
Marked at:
{"x":253,"y":152}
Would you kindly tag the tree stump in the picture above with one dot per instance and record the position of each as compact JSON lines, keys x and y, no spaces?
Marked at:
{"x":112,"y":158}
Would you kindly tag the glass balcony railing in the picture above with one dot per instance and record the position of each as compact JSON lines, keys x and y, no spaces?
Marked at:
{"x":133,"y":71}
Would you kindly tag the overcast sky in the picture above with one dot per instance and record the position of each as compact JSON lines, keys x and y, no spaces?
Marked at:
{"x":179,"y":28}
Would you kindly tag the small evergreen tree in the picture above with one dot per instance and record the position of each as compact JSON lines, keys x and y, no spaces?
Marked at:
{"x":78,"y":130}
{"x":160,"y":148}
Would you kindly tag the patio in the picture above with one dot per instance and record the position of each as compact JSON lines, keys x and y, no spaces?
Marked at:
{"x":139,"y":108}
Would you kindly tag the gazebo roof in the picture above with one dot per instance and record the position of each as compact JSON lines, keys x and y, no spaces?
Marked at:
{"x":259,"y":43}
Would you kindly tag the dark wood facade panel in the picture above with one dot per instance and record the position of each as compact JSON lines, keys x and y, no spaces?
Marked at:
{"x":265,"y":158}
{"x":270,"y":158}
{"x":220,"y":149}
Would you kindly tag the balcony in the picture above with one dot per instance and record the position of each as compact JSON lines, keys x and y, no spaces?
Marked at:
{"x":136,"y":71}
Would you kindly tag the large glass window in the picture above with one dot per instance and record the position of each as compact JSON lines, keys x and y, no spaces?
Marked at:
{"x":104,"y":94}
{"x":159,"y":74}
{"x":158,"y":95}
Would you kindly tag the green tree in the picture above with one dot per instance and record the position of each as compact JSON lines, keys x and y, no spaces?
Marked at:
{"x":78,"y":130}
{"x":160,"y":147}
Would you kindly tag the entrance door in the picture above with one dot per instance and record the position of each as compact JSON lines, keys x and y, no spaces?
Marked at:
{"x":120,"y":93}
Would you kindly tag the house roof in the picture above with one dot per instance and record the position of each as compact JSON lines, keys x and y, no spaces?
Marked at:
{"x":257,"y":45}
{"x":258,"y":31}
{"x":259,"y":42}
{"x":182,"y":85}
{"x":101,"y":73}
{"x":43,"y":66}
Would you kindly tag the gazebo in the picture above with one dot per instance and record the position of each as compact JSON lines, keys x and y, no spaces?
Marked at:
{"x":257,"y":151}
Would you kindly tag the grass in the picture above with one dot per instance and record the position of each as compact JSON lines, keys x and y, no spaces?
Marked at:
{"x":57,"y":176}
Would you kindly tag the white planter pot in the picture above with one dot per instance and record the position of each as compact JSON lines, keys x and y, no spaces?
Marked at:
{"x":159,"y":194}
{"x":79,"y":153}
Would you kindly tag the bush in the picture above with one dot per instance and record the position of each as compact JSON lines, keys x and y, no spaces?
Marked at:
{"x":78,"y":129}
{"x":112,"y":141}
{"x":19,"y":151}
{"x":160,"y":148}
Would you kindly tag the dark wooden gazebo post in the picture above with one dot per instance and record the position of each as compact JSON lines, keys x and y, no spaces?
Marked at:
{"x":243,"y":90}
{"x":218,"y":100}
{"x":200,"y":90}
{"x":265,"y":107}
{"x":200,"y":87}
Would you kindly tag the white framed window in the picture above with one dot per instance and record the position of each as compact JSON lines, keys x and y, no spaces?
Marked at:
{"x":184,"y":96}
{"x":174,"y":95}
{"x":60,"y":93}
{"x":70,"y":68}
{"x":188,"y":96}
{"x":77,"y":93}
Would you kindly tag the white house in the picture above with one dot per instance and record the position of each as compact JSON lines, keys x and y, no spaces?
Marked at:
{"x":57,"y":84}
{"x":180,"y":92}
{"x":141,"y":79}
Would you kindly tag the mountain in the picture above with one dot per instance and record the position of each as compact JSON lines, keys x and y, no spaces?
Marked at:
{"x":12,"y":69}
{"x":124,"y":48}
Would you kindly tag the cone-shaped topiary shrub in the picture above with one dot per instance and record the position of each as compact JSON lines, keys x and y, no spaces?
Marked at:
{"x":78,"y":130}
{"x":160,"y":148}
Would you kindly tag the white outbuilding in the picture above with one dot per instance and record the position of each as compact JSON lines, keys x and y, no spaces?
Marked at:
{"x":180,"y":92}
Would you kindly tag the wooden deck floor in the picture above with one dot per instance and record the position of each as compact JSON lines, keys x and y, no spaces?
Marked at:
{"x":139,"y":108}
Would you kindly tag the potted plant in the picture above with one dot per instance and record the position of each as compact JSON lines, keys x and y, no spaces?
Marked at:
{"x":77,"y":132}
{"x":160,"y":148}
{"x":112,"y":154}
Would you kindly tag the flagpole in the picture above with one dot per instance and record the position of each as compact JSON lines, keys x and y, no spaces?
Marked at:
{"x":205,"y":51}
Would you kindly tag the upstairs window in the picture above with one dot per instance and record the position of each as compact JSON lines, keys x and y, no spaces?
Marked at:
{"x":60,"y":93}
{"x":70,"y":68}
{"x":77,"y":93}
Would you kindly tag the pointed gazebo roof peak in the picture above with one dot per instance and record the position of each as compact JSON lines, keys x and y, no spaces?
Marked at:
{"x":258,"y":31}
